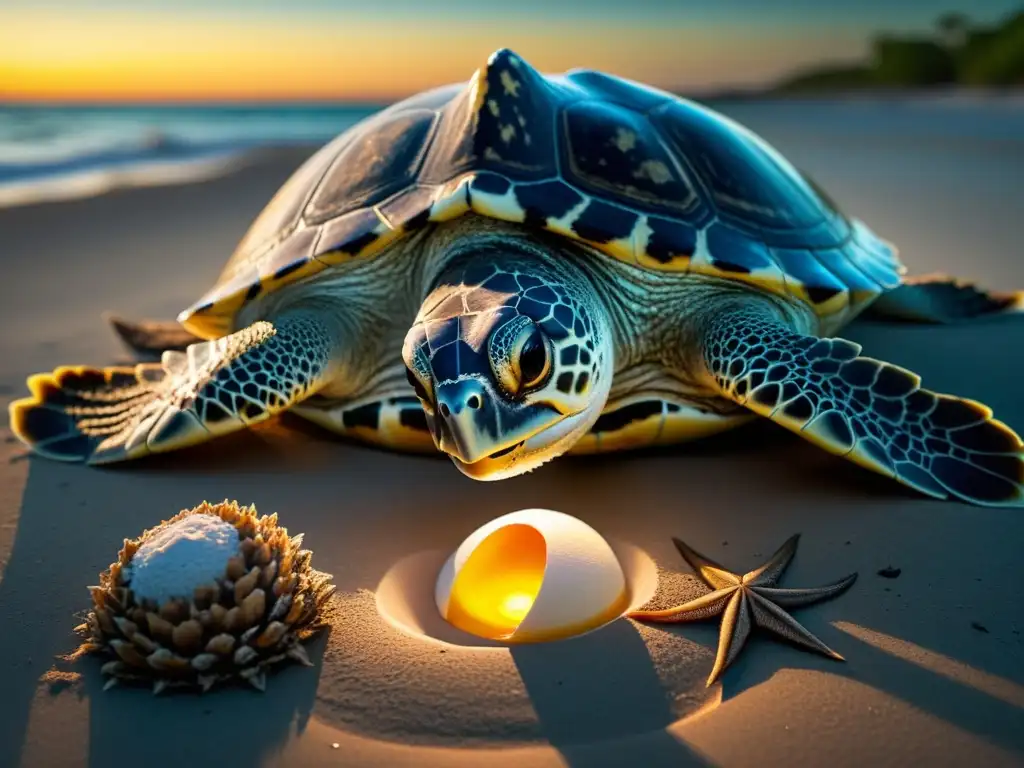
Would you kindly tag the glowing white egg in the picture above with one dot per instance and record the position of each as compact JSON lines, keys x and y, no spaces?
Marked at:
{"x":530,"y":576}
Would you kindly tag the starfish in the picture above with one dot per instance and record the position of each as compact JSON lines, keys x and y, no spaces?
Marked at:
{"x":747,"y":601}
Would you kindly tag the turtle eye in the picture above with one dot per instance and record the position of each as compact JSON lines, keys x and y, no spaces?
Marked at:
{"x":534,"y":359}
{"x":520,"y":356}
{"x":421,"y":391}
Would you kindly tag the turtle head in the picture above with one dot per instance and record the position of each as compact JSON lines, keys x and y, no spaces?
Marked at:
{"x":512,"y":362}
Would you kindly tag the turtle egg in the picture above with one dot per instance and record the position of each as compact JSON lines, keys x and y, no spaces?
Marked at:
{"x":530,"y":576}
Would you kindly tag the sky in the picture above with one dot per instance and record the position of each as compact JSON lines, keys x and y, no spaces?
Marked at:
{"x":311,"y":50}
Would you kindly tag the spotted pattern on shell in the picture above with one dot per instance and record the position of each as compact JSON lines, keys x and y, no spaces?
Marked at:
{"x":643,"y":176}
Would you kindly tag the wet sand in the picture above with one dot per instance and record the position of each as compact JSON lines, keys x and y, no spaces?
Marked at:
{"x":934,"y":671}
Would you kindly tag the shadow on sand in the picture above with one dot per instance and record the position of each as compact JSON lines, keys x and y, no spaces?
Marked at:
{"x":579,"y":689}
{"x":57,"y":553}
{"x":753,"y":487}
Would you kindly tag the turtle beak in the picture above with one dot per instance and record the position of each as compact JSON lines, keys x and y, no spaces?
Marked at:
{"x":467,"y":420}
{"x":484,"y":433}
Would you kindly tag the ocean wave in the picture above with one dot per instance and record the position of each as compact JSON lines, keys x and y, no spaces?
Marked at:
{"x":57,"y":153}
{"x":88,"y":182}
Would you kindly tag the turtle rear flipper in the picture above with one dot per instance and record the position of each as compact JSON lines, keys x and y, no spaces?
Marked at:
{"x":213,"y":388}
{"x":943,"y":299}
{"x":151,"y":338}
{"x":868,"y":411}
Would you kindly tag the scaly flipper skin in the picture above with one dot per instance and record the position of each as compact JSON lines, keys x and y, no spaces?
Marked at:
{"x":151,"y":338}
{"x":114,"y":414}
{"x":943,"y":299}
{"x":744,"y":602}
{"x":868,"y":411}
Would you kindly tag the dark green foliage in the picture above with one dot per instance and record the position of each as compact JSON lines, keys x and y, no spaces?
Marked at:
{"x":912,"y":62}
{"x":957,"y":54}
{"x":830,"y":78}
{"x":995,"y":57}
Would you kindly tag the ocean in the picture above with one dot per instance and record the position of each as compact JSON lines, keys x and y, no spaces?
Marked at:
{"x":58,"y":152}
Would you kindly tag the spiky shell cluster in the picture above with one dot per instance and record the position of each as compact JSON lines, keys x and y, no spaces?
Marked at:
{"x":232,"y":627}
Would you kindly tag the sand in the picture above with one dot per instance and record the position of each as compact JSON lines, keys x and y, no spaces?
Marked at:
{"x":935,"y":658}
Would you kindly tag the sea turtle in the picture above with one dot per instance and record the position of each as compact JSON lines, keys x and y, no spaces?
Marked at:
{"x":529,"y":265}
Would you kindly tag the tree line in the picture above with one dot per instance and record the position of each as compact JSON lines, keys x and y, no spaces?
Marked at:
{"x":957,"y":52}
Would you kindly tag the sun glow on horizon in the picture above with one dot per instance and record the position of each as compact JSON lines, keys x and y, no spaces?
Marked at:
{"x":149,"y":55}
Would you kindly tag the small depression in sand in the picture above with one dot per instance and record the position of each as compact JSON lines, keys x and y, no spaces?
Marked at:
{"x":406,"y":596}
{"x":396,"y":670}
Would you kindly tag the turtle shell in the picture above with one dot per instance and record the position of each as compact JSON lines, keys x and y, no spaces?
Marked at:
{"x":648,"y":178}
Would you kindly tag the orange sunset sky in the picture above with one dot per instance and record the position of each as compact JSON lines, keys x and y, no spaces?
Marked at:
{"x":110,"y":50}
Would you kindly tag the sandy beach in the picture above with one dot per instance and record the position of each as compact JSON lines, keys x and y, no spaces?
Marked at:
{"x":935,"y":658}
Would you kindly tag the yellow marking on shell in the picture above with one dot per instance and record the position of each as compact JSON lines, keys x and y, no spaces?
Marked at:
{"x":665,"y":428}
{"x":477,"y":91}
{"x":862,"y":298}
{"x":385,"y":237}
{"x":690,"y":424}
{"x":770,"y":278}
{"x":653,"y":170}
{"x":390,"y":433}
{"x":621,"y":249}
{"x":504,"y":207}
{"x":700,"y":259}
{"x":641,"y":433}
{"x":228,"y":296}
{"x":269,"y":283}
{"x":492,"y":105}
{"x":641,"y":240}
{"x":217,"y":320}
{"x":857,"y":299}
{"x":492,"y":154}
{"x":585,"y":446}
{"x":624,"y":140}
{"x":830,"y":309}
{"x":510,"y":84}
{"x":637,"y":434}
{"x":563,"y":224}
{"x":508,"y":132}
{"x":453,"y":200}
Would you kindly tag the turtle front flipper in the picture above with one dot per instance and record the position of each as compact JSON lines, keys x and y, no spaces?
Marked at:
{"x":868,"y":411}
{"x":213,"y":388}
{"x":151,"y":338}
{"x":943,"y":299}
